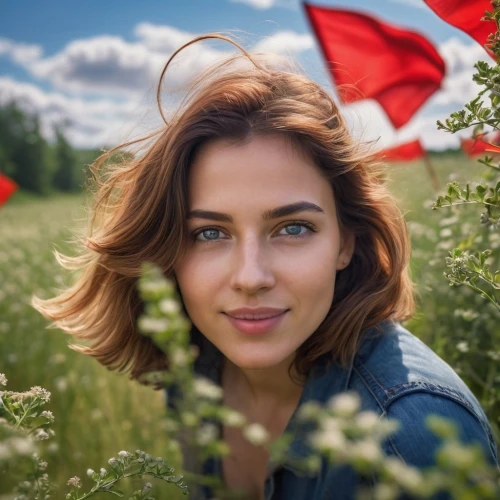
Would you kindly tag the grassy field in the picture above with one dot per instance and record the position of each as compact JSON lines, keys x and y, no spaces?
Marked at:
{"x":99,"y":413}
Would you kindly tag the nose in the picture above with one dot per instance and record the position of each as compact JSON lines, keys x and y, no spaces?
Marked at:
{"x":251,"y":267}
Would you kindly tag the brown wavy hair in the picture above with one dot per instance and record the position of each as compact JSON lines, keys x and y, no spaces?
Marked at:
{"x":139,"y":206}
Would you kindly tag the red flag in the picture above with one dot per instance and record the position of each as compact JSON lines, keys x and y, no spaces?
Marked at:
{"x":466,"y":16}
{"x":407,"y":151}
{"x":398,"y":68}
{"x":479,"y":146}
{"x":7,"y":188}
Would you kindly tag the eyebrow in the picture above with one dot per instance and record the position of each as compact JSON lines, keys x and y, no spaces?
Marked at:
{"x":275,"y":213}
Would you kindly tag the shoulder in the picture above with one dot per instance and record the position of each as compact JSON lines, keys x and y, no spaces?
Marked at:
{"x":400,"y":377}
{"x":392,"y":363}
{"x":417,"y":445}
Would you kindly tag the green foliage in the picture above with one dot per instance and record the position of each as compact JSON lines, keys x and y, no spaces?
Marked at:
{"x":67,"y":176}
{"x":36,"y":166}
{"x":25,"y":151}
{"x":481,"y":112}
{"x":21,"y":419}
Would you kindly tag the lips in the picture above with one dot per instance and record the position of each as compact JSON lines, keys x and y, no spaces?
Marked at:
{"x":257,"y":326}
{"x":258,"y":313}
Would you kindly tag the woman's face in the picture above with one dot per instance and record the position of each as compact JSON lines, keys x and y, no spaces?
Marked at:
{"x":287,"y":262}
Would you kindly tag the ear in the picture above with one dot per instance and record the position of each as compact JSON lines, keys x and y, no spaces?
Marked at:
{"x":346,"y":252}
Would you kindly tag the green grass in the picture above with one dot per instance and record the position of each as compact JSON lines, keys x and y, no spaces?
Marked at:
{"x":98,"y":413}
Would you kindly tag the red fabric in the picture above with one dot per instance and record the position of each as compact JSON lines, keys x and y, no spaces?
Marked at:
{"x":474,"y":147}
{"x":7,"y":188}
{"x":398,"y":68}
{"x":466,"y":16}
{"x":407,"y":151}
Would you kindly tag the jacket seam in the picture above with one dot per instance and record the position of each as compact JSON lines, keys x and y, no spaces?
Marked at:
{"x":367,"y":385}
{"x":391,"y":442}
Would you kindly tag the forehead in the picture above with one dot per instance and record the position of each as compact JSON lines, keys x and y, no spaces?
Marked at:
{"x":265,"y":172}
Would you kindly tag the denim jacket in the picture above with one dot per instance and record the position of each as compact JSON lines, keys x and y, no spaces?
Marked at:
{"x":397,"y":376}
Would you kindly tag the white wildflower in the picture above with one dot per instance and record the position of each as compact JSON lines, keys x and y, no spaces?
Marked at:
{"x":41,"y":393}
{"x":179,"y":357}
{"x":5,"y":452}
{"x":41,"y":434}
{"x":408,"y":476}
{"x":170,"y":307}
{"x":330,"y":436}
{"x":90,"y":472}
{"x":103,"y":472}
{"x":386,"y":492}
{"x":232,"y":418}
{"x":74,"y":481}
{"x":147,"y":487}
{"x":157,"y":287}
{"x":368,"y":451}
{"x":458,"y":455}
{"x":256,"y":434}
{"x":309,"y":411}
{"x":21,"y":446}
{"x":463,"y":346}
{"x":367,"y":420}
{"x":345,"y":404}
{"x":48,"y":415}
{"x":42,"y":465}
{"x":494,"y":355}
{"x":149,"y":324}
{"x":123,"y":454}
{"x":205,"y":388}
{"x":206,"y":434}
{"x":3,"y":379}
{"x":445,"y":233}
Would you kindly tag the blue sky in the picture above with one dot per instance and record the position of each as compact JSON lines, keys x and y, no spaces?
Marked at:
{"x":95,"y":62}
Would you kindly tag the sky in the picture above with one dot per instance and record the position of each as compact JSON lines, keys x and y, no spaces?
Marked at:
{"x":94,"y":65}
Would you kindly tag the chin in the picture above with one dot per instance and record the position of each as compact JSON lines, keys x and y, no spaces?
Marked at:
{"x":257,"y":361}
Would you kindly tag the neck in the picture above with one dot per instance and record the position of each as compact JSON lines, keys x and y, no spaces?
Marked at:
{"x":262,"y":393}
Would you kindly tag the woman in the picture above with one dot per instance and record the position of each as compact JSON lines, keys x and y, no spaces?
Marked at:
{"x":292,"y":261}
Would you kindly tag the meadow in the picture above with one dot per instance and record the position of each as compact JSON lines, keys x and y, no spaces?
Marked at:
{"x":99,"y":413}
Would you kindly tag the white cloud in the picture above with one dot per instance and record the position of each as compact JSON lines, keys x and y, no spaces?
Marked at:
{"x":101,"y":64}
{"x":92,"y":123}
{"x":267,"y":4}
{"x":113,"y":66}
{"x":458,"y":86}
{"x":160,"y":38}
{"x":367,"y":121}
{"x":20,"y":53}
{"x":258,"y":4}
{"x":285,"y":43}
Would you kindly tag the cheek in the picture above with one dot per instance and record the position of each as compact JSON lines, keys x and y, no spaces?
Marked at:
{"x":194,"y":282}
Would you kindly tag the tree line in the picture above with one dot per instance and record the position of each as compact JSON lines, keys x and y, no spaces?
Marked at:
{"x":32,"y":162}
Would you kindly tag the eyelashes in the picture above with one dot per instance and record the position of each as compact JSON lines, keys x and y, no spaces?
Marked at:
{"x":310,"y":229}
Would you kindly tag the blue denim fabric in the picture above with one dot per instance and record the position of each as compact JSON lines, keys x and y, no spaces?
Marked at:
{"x":396,"y":376}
